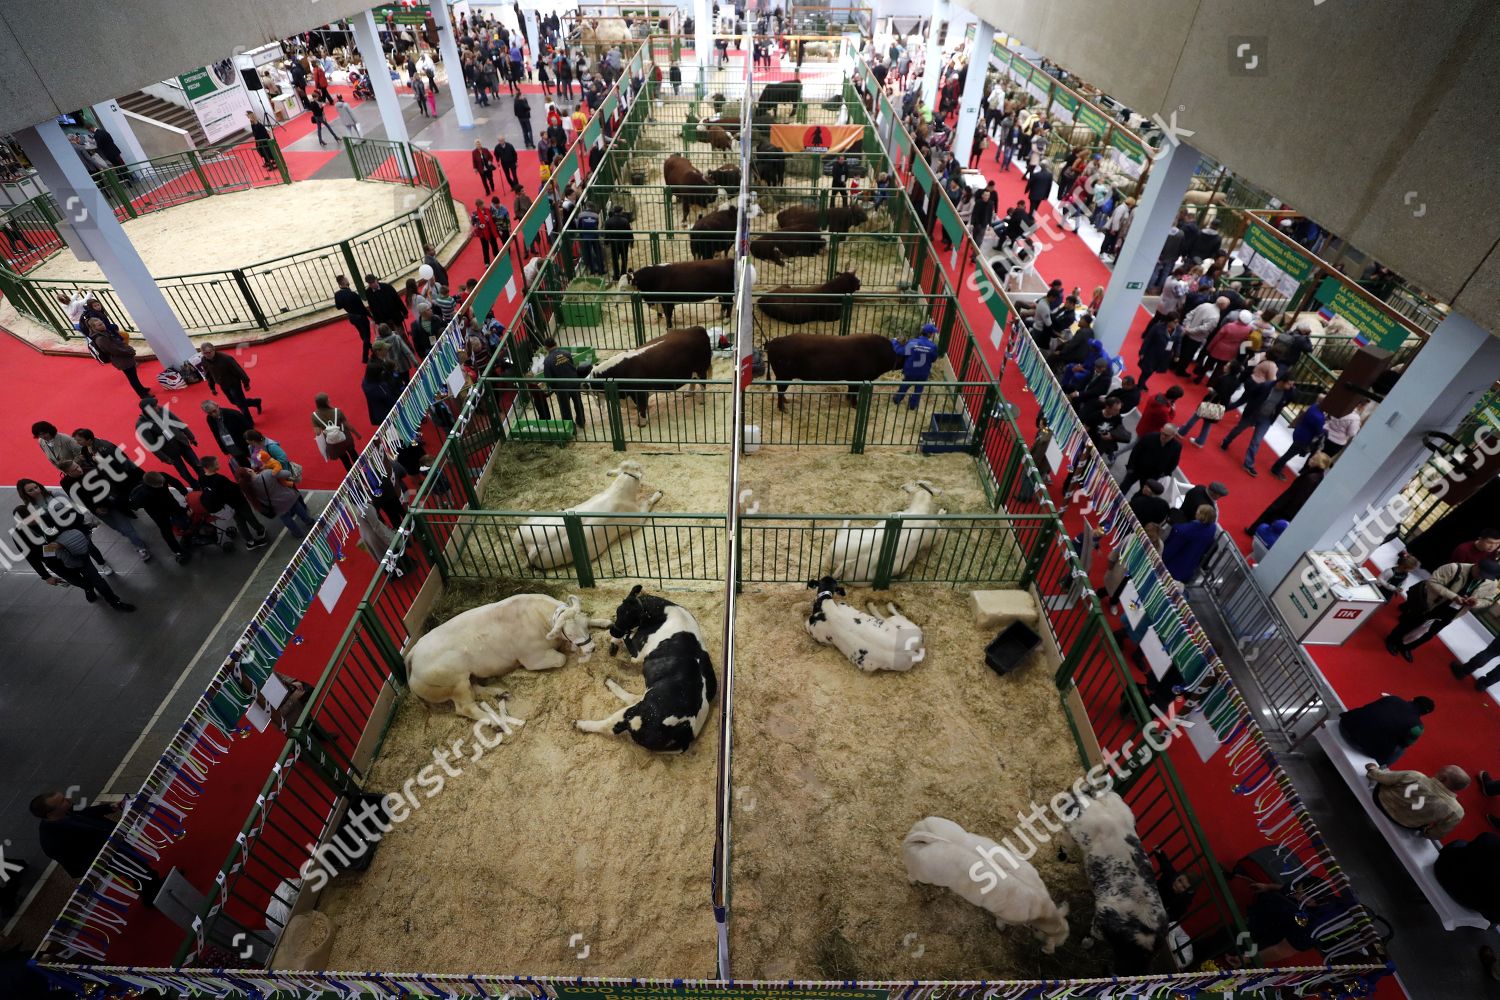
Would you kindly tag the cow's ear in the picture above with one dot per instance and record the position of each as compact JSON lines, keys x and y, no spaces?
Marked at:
{"x":812,"y":584}
{"x":636,"y":590}
{"x":839,"y":591}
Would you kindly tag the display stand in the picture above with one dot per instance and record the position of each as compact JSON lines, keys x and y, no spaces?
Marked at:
{"x":1327,"y":615}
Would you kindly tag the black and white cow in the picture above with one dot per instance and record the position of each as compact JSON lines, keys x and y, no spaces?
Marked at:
{"x":1128,"y":911}
{"x":869,"y":641}
{"x":680,"y":683}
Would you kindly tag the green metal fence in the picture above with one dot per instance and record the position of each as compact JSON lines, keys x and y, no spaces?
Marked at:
{"x":698,"y":414}
{"x":944,"y":417}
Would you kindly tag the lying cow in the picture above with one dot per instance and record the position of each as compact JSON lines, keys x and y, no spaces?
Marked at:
{"x":806,"y":219}
{"x":687,"y":184}
{"x":940,"y":852}
{"x":680,"y":680}
{"x":808,"y":303}
{"x":855,"y":551}
{"x":669,"y":360}
{"x":869,"y":641}
{"x":533,"y":631}
{"x":668,"y":285}
{"x":544,"y":539}
{"x":1128,"y":911}
{"x":815,"y":358}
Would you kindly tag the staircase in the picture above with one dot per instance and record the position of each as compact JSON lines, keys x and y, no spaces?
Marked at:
{"x":175,"y":115}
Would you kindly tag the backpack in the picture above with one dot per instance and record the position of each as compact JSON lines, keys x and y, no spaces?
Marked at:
{"x":93,"y":346}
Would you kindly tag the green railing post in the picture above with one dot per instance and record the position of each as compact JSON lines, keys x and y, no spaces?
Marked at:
{"x":382,"y":640}
{"x":348,"y":143}
{"x":862,"y":418}
{"x":846,"y":315}
{"x":112,"y":181}
{"x":616,"y":420}
{"x":1081,"y":646}
{"x":286,"y":175}
{"x":667,"y":205}
{"x":197,"y":166}
{"x":655,"y":248}
{"x":1043,"y":544}
{"x":408,"y":171}
{"x":834,"y":239}
{"x":497,"y":419}
{"x":249,"y":297}
{"x":356,"y":279}
{"x":573,"y":524}
{"x":885,"y":564}
{"x":638,"y":319}
{"x":434,"y":551}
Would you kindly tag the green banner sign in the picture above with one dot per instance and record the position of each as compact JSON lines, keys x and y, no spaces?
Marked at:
{"x":607,"y":109}
{"x":1068,"y":100}
{"x":1022,"y":68}
{"x":1262,"y":241}
{"x":493,"y":285}
{"x":592,"y":129}
{"x":1378,"y":329}
{"x":602,"y":992}
{"x":535,"y":218}
{"x":900,"y":139}
{"x":1094,"y":121}
{"x":197,"y":84}
{"x":992,"y":298}
{"x":923,"y":173}
{"x":401,"y":13}
{"x":1126,"y":144}
{"x":566,"y":170}
{"x":949,"y":218}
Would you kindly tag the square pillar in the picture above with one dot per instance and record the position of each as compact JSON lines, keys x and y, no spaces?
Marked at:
{"x":367,"y":40}
{"x":117,"y":124}
{"x":932,"y":67}
{"x":973,"y":95}
{"x":448,"y":46}
{"x":90,"y":227}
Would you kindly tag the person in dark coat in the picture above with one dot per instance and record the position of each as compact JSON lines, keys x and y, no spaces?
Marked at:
{"x":262,"y":137}
{"x":1038,"y":186}
{"x":154,"y":496}
{"x":1197,"y":497}
{"x":505,"y":155}
{"x":1469,"y":870}
{"x":1286,"y":506}
{"x":1155,"y":456}
{"x":559,"y":364}
{"x":1157,"y":345}
{"x":348,"y":300}
{"x":1385,"y":728}
{"x":1188,"y":543}
{"x":219,"y":491}
{"x":617,"y":234}
{"x":73,"y":836}
{"x":386,"y":305}
{"x":982,"y":214}
{"x":523,"y":118}
{"x":227,"y":428}
{"x":381,"y":391}
{"x":120,"y":355}
{"x":1129,"y":393}
{"x":222,"y":371}
{"x":105,"y":146}
{"x":439,"y":272}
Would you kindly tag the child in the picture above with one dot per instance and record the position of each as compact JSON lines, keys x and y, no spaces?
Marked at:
{"x":1393,"y":581}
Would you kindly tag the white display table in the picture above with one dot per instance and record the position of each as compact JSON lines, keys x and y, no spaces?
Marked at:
{"x":1326,"y":616}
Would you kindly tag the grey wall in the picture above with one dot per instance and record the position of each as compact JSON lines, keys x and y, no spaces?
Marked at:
{"x":61,"y":55}
{"x":1353,"y":104}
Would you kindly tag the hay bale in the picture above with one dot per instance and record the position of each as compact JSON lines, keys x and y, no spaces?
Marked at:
{"x":995,"y":609}
{"x":902,"y":321}
{"x":306,"y":943}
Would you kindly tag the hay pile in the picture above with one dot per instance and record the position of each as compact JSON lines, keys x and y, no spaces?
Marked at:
{"x":832,"y":767}
{"x":553,"y":833}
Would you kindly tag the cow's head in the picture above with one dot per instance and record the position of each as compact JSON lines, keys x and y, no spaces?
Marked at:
{"x":631,"y":468}
{"x":857,"y":216}
{"x":764,"y":249}
{"x":626,"y":283}
{"x":826,"y":585}
{"x":571,"y":623}
{"x":638,"y":611}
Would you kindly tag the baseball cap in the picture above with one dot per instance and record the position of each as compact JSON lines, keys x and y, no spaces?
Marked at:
{"x":929,"y":328}
{"x":1218,"y":489}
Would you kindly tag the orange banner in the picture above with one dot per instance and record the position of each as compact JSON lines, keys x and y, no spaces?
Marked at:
{"x":817,"y":138}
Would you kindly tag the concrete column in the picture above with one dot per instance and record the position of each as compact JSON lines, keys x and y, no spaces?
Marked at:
{"x":703,"y":37}
{"x":91,"y":229}
{"x":1171,"y":172}
{"x":932,"y":67}
{"x":448,"y":46}
{"x":968,"y":104}
{"x":367,"y":40}
{"x":1437,"y":390}
{"x":118,"y":126}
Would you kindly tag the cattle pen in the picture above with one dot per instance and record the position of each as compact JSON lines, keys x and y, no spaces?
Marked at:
{"x":577,"y":866}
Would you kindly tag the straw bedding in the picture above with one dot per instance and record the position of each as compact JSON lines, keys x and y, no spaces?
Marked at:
{"x":832,"y":767}
{"x":554,"y":833}
{"x":546,"y":477}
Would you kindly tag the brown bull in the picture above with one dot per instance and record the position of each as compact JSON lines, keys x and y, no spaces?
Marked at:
{"x":808,"y":303}
{"x":813,"y":358}
{"x":668,"y":362}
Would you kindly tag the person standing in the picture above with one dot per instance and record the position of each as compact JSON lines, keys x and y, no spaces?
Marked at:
{"x":262,"y":137}
{"x":381,"y":391}
{"x":1189,"y":542}
{"x":168,"y":438}
{"x":346,"y":115}
{"x":1038,"y":186}
{"x":1259,"y":408}
{"x":1290,"y":502}
{"x":419,"y":91}
{"x":505,"y":155}
{"x":982,"y":214}
{"x":277,"y":494}
{"x":522,"y":109}
{"x":838,"y":175}
{"x":1157,"y":345}
{"x":219,"y":491}
{"x":1453,"y":590}
{"x":39,"y":518}
{"x":348,"y":300}
{"x":222,"y":371}
{"x":320,"y":119}
{"x":483,"y":224}
{"x":558,"y":364}
{"x":385,"y":303}
{"x":336,"y":436}
{"x":161,"y":496}
{"x":60,"y":449}
{"x":586,"y":224}
{"x":1307,"y":436}
{"x":919,"y":352}
{"x":484,"y":165}
{"x":430,"y":258}
{"x":618,"y":234}
{"x":112,"y":348}
{"x":1198,"y":326}
{"x":228,"y":429}
{"x":1340,"y":431}
{"x":1154,"y":456}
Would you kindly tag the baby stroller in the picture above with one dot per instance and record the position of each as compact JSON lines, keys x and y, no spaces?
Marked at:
{"x":362,"y":88}
{"x":205,"y":527}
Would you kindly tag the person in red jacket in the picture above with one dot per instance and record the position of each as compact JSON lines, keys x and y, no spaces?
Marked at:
{"x":1224,"y":345}
{"x":484,"y":166}
{"x":485,"y":230}
{"x":1159,"y":411}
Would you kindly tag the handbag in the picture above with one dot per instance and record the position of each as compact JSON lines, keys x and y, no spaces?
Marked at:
{"x":1210,"y":411}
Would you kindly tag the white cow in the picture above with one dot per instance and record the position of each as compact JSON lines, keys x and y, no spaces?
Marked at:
{"x":545,"y":540}
{"x":855,"y":551}
{"x":1128,"y":911}
{"x":528,"y":630}
{"x":869,"y":641}
{"x":940,"y":852}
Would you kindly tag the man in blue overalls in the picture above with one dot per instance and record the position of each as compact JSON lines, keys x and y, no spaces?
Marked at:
{"x":919,"y":351}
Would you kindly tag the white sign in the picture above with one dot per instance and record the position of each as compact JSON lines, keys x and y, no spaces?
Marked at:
{"x":218,"y":96}
{"x":333,"y":587}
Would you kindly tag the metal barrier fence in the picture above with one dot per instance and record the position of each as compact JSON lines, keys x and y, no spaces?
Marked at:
{"x":940,"y":416}
{"x":1282,"y":679}
{"x":260,"y":295}
{"x":696,"y":415}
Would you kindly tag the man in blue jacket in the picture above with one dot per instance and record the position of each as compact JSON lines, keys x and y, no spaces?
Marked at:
{"x":919,"y":352}
{"x":1307,"y":434}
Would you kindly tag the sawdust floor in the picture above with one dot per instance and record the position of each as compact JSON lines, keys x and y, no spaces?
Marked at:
{"x":831,"y":768}
{"x":820,"y":415}
{"x":552,"y":834}
{"x":548,"y":477}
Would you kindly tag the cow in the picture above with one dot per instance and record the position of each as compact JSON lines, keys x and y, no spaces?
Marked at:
{"x":686,"y":183}
{"x":533,"y":631}
{"x":773,"y":95}
{"x":806,"y":219}
{"x":726,"y":176}
{"x":717,"y":137}
{"x":855,"y":551}
{"x":1128,"y":911}
{"x":813,"y":357}
{"x":798,"y":304}
{"x":680,"y":684}
{"x":714,"y":233}
{"x":768,"y":162}
{"x":769,"y":249}
{"x":669,"y":285}
{"x":544,"y":539}
{"x":868,"y":641}
{"x":669,"y":361}
{"x":940,"y":852}
{"x":791,"y":244}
